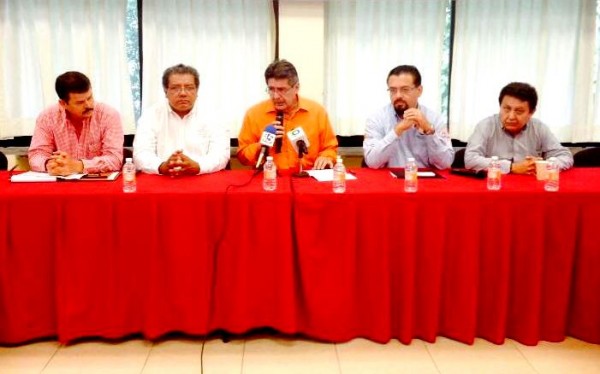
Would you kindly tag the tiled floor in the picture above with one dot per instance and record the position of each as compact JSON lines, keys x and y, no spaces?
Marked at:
{"x":267,"y":355}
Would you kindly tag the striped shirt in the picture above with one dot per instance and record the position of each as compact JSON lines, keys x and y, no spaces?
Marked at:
{"x":99,"y":145}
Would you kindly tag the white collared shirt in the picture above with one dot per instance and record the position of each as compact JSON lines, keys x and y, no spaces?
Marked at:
{"x":161,"y":131}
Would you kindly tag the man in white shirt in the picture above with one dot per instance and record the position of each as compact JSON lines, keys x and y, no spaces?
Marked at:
{"x":173,"y":138}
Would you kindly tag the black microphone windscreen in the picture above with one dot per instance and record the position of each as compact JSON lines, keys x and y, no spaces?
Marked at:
{"x":278,"y":142}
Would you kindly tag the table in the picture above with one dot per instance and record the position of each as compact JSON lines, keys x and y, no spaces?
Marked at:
{"x":81,"y":259}
{"x":215,"y":252}
{"x":452,"y":259}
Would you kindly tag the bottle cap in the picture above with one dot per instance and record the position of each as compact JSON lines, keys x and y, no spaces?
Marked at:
{"x":269,"y":158}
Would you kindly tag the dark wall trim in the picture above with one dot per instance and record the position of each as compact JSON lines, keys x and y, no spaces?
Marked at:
{"x":452,"y":25}
{"x":276,"y":11}
{"x":343,"y":141}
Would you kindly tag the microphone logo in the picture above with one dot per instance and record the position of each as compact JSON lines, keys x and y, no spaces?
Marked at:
{"x":267,"y":138}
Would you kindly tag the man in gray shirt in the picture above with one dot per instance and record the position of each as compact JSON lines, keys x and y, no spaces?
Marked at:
{"x":512,"y":135}
{"x":404,"y":128}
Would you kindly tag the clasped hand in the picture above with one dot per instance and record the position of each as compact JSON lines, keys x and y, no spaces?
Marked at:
{"x":525,"y":166}
{"x":413,"y":118}
{"x":60,"y":163}
{"x":179,"y":164}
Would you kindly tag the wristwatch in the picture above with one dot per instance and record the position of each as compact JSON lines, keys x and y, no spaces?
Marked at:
{"x":431,"y":131}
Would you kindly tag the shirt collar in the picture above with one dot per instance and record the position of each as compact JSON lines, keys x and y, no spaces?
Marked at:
{"x":302,"y":106}
{"x":66,"y":121}
{"x":508,"y":133}
{"x":171,"y":111}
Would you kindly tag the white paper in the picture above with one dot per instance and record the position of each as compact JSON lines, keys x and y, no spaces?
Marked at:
{"x":425,"y":174}
{"x":32,"y":176}
{"x":326,"y":175}
{"x":36,"y":176}
{"x":70,"y":177}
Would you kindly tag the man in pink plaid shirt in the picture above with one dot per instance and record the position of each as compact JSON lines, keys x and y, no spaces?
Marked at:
{"x":76,"y":135}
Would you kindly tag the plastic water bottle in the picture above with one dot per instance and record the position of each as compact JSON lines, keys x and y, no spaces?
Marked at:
{"x":552,"y":181}
{"x":129,"y":183}
{"x":339,"y":176}
{"x":269,"y":175}
{"x":411,"y":182}
{"x":494,"y":175}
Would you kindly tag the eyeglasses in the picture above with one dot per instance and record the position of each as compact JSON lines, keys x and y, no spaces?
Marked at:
{"x":402,"y":90}
{"x":278,"y":90}
{"x":175,"y":90}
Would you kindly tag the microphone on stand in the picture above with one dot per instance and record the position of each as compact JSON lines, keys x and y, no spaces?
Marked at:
{"x":278,"y":141}
{"x":266,"y":140}
{"x":300,"y":143}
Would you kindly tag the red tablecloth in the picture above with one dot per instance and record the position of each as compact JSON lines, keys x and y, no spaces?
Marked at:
{"x":453,"y":259}
{"x":193,"y":255}
{"x":199,"y":254}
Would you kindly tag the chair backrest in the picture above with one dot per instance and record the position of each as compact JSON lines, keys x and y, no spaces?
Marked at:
{"x":459,"y":159}
{"x":127,"y":153}
{"x":3,"y":161}
{"x":588,"y":157}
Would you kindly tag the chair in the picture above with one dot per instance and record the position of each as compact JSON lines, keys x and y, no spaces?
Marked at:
{"x":3,"y":161}
{"x":459,"y":159}
{"x":127,"y":153}
{"x":588,"y":157}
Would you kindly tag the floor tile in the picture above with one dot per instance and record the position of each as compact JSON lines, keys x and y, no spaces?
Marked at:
{"x":452,"y":357}
{"x":174,"y":356}
{"x":570,"y":356}
{"x":277,"y":355}
{"x":223,"y":358}
{"x":100,"y":357}
{"x":364,"y":356}
{"x":30,"y":358}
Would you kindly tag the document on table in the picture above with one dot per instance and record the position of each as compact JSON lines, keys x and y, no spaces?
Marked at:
{"x":326,"y":175}
{"x":35,"y":176}
{"x":399,"y":173}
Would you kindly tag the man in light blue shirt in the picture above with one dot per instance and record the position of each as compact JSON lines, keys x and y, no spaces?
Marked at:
{"x":404,"y":128}
{"x":514,"y":136}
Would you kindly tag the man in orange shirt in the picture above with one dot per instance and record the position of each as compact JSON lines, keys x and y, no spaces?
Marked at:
{"x":283,"y":86}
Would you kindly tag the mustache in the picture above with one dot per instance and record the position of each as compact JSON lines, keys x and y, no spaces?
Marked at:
{"x":88,"y":110}
{"x":400,"y":101}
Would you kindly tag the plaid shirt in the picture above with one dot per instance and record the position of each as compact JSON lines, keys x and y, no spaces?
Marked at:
{"x":99,"y":146}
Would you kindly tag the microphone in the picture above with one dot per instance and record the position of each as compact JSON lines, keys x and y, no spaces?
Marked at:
{"x":266,"y":140}
{"x":278,"y":117}
{"x":299,"y":141}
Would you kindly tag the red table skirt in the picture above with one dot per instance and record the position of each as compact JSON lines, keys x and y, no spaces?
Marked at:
{"x":215,"y":252}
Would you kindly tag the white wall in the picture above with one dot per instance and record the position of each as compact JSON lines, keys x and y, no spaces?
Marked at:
{"x":302,"y":42}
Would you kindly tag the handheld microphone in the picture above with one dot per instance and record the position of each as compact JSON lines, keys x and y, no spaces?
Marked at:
{"x":278,"y":141}
{"x":299,"y":141}
{"x":266,"y":140}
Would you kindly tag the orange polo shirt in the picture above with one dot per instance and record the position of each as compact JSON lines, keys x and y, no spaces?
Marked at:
{"x":310,"y":116}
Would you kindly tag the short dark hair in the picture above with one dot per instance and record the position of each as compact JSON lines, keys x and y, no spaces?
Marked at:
{"x":406,"y":69}
{"x":71,"y":82}
{"x":282,"y":69}
{"x":180,"y":69}
{"x":521,"y":91}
